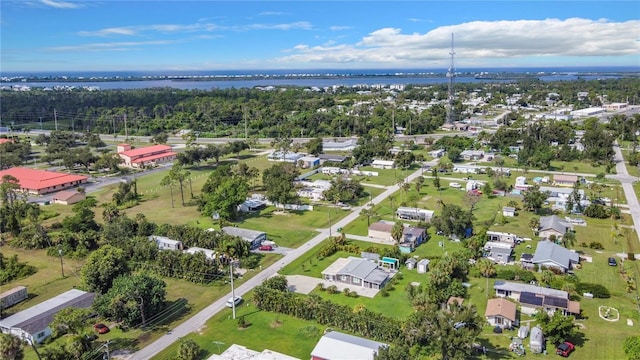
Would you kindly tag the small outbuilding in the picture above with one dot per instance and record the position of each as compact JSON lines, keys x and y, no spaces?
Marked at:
{"x":410,"y":263}
{"x":423,"y":266}
{"x":68,"y":197}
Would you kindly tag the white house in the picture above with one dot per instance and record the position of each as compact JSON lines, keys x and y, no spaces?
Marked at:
{"x":423,"y":266}
{"x":309,"y":161}
{"x":500,"y":312}
{"x":164,"y":243}
{"x":383,"y":164}
{"x":209,"y":254}
{"x":408,"y":213}
{"x":255,"y":238}
{"x":32,"y":324}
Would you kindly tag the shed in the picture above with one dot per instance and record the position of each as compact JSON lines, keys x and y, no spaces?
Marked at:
{"x":337,"y":345}
{"x":164,"y":243}
{"x":508,"y":211}
{"x":423,"y":266}
{"x":536,"y":342}
{"x":410,"y":263}
{"x":68,"y":197}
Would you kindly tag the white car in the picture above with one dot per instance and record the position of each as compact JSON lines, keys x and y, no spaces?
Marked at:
{"x":231,"y":301}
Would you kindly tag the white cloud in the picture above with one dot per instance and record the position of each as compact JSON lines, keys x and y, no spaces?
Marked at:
{"x":61,"y":4}
{"x":272,"y":13}
{"x":136,"y":30}
{"x":478,"y":40}
{"x":114,"y":46}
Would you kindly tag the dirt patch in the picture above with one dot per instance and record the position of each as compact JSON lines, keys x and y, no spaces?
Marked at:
{"x":281,"y":213}
{"x":426,"y":198}
{"x":276,"y":324}
{"x":202,"y":329}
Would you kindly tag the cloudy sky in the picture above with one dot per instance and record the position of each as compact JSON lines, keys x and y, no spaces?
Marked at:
{"x":57,"y":35}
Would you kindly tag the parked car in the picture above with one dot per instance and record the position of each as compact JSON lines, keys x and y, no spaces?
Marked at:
{"x":237,"y":300}
{"x":265,"y":248}
{"x":612,"y":262}
{"x":101,"y":328}
{"x":565,"y":349}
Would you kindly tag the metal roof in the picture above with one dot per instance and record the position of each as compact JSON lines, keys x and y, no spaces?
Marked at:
{"x":337,"y":345}
{"x":246,"y":234}
{"x":363,"y":269}
{"x":546,"y":251}
{"x":519,"y":287}
{"x":38,"y":317}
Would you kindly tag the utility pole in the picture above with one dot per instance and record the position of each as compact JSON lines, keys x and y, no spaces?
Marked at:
{"x":142,"y":311}
{"x":244,"y":114}
{"x":126,"y":131}
{"x":55,"y":118}
{"x":60,"y":253}
{"x":233,"y":290}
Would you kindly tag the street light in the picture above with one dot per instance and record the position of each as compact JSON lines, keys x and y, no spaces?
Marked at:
{"x":60,"y":253}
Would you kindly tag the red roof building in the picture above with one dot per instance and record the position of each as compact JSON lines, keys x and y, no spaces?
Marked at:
{"x":4,"y":140}
{"x":43,"y":181}
{"x":150,"y":155}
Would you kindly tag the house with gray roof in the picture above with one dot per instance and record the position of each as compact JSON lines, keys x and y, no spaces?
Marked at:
{"x":553,"y":225}
{"x":255,"y":238}
{"x":164,"y":243}
{"x":335,"y":345}
{"x":32,"y":324}
{"x":335,"y":145}
{"x":498,"y":252}
{"x":551,"y":255}
{"x":356,"y":271}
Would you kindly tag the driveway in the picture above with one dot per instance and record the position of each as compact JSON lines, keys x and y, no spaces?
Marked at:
{"x":305,"y":284}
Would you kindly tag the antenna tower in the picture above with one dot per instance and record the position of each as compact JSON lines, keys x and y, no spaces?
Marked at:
{"x":450,"y":74}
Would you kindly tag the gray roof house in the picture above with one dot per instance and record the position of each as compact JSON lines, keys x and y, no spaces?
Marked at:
{"x":32,"y":324}
{"x":356,"y":271}
{"x":255,"y":238}
{"x":549,"y":254}
{"x":553,"y":225}
{"x":498,"y":252}
{"x":340,"y":346}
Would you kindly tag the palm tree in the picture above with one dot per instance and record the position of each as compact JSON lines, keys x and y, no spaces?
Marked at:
{"x":487,"y":269}
{"x":169,"y":181}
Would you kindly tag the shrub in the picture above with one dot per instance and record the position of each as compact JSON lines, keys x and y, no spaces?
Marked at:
{"x":346,"y":291}
{"x":332,"y":289}
{"x":506,"y":274}
{"x":596,"y":245}
{"x":384,"y":293}
{"x":320,"y":287}
{"x":631,"y":256}
{"x":598,"y":290}
{"x":525,"y":275}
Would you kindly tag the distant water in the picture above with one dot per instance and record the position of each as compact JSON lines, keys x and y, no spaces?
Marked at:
{"x":306,"y":78}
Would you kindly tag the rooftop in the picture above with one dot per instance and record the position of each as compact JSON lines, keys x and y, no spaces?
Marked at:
{"x":519,"y":287}
{"x":33,"y":179}
{"x":501,"y":307}
{"x":243,"y":233}
{"x":337,"y":345}
{"x":147,"y":150}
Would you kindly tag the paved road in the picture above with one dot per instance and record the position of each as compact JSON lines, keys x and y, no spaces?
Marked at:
{"x":627,"y":185}
{"x":199,"y":319}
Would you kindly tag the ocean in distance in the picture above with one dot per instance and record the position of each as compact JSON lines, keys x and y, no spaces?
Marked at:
{"x":224,"y":79}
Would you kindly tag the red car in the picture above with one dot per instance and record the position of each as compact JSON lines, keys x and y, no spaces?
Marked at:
{"x":265,"y":248}
{"x":101,"y":328}
{"x":565,"y":349}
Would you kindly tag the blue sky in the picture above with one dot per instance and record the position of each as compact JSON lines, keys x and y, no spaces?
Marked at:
{"x":112,"y":35}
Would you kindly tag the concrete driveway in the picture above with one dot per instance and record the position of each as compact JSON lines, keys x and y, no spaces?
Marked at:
{"x":305,"y":284}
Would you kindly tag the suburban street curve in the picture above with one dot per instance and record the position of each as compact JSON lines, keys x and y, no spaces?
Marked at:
{"x":627,"y":185}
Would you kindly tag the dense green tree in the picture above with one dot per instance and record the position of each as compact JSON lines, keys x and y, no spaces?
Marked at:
{"x":189,"y":350}
{"x":11,"y":347}
{"x":222,"y":193}
{"x":533,"y":198}
{"x":451,"y":332}
{"x":132,"y":298}
{"x":344,"y":190}
{"x":453,"y":220}
{"x":314,"y":146}
{"x":278,"y":182}
{"x":558,"y":327}
{"x":70,"y":320}
{"x":102,"y":267}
